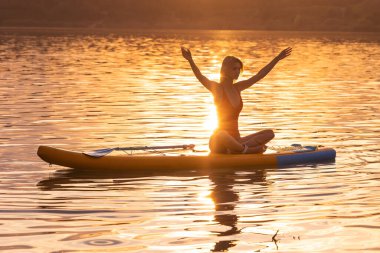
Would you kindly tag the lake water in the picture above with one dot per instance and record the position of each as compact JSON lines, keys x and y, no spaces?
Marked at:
{"x":80,"y":91}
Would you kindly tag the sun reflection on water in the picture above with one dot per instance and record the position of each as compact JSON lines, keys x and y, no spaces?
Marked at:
{"x":204,"y":197}
{"x":211,"y":121}
{"x":84,"y":93}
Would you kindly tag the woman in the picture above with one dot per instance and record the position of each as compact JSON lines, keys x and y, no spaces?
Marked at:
{"x":226,"y":138}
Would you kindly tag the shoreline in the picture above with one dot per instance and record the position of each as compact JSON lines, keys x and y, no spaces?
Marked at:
{"x":104,"y":31}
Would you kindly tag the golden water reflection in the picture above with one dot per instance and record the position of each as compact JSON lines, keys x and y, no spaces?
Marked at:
{"x":84,"y":91}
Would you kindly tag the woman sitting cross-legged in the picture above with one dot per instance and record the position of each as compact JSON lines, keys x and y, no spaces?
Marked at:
{"x":226,"y":138}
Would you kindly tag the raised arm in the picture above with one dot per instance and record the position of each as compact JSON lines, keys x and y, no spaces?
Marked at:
{"x":242,"y":85}
{"x":210,"y":85}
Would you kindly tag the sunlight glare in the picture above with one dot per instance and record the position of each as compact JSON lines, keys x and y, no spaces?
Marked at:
{"x":204,"y":197}
{"x":211,"y":121}
{"x":214,"y":77}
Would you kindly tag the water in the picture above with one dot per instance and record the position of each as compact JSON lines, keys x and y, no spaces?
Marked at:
{"x":79,"y":91}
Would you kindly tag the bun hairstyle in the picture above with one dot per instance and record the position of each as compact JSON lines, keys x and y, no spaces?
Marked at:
{"x":228,"y":62}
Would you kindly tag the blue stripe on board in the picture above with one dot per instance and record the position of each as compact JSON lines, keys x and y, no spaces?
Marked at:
{"x":306,"y":157}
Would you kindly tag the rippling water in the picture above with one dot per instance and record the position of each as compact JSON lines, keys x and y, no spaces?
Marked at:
{"x":81,"y":92}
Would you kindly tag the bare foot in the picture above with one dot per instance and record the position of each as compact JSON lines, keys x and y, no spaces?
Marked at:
{"x":257,"y":149}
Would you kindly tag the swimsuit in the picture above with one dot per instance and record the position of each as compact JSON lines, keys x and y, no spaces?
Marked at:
{"x":228,"y":116}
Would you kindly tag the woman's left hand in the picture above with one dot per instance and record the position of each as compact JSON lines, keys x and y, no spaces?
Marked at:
{"x":284,"y":53}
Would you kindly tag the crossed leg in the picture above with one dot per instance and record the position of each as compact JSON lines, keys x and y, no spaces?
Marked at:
{"x":257,"y":142}
{"x":222,"y":142}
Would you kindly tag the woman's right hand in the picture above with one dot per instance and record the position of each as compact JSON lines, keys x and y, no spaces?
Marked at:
{"x":186,"y":53}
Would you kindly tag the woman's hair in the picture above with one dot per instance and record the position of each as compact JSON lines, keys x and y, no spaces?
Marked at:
{"x":227,"y":62}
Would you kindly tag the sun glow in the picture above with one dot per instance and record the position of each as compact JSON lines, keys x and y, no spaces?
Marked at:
{"x":211,"y":121}
{"x":215,"y":77}
{"x":204,"y":197}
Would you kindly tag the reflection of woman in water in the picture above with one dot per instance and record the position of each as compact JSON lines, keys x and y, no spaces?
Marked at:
{"x":228,"y":102}
{"x":223,"y":194}
{"x":225,"y":198}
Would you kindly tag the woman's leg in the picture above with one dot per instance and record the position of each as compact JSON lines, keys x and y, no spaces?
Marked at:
{"x":222,"y":142}
{"x":258,"y":139}
{"x":256,"y":142}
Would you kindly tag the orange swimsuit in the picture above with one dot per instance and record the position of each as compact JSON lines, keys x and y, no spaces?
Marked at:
{"x":228,"y":116}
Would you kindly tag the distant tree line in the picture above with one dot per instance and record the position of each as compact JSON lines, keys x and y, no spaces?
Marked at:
{"x":327,"y":15}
